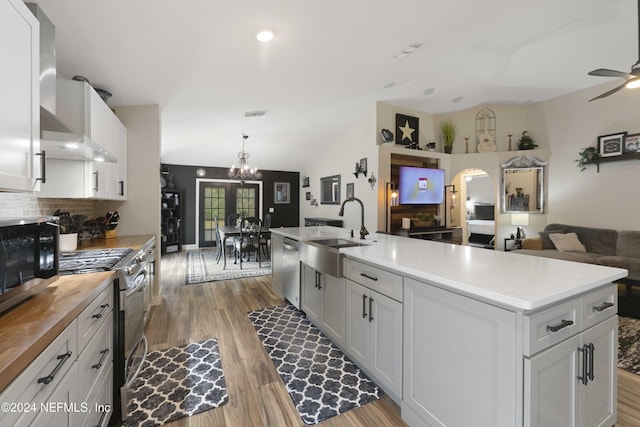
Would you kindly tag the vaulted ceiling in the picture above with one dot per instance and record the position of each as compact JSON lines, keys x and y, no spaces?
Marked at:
{"x":329,"y":62}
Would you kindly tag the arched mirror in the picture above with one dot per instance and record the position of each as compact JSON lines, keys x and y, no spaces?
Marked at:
{"x":523,"y":185}
{"x":330,"y":190}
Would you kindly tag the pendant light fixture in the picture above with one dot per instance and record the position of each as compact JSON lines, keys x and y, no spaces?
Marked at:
{"x":244,"y":172}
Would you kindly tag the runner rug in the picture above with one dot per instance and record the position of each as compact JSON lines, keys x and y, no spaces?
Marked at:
{"x":177,"y":382}
{"x":320,"y":379}
{"x":629,"y":344}
{"x":202,"y":267}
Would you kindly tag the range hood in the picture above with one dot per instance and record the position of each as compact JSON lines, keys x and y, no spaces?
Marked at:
{"x":56,"y":138}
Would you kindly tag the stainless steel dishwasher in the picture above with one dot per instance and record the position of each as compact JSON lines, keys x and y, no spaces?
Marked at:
{"x":291,"y":271}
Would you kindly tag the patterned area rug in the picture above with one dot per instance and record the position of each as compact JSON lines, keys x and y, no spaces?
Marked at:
{"x":629,"y":344}
{"x":202,"y":267}
{"x":320,"y":379}
{"x":177,"y":382}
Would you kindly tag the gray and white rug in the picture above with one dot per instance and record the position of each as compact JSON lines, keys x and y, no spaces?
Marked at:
{"x":320,"y":379}
{"x":202,"y":267}
{"x":177,"y":382}
{"x":629,"y":344}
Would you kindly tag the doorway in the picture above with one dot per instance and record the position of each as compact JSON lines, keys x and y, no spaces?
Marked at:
{"x":221,"y":198}
{"x":477,"y":213}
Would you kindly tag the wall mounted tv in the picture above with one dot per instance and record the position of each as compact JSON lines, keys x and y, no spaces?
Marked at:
{"x":421,"y":186}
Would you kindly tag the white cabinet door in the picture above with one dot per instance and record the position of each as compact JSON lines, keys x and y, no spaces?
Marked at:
{"x":551,"y":386}
{"x":311,"y":299}
{"x":386,"y":341}
{"x":97,"y":177}
{"x":20,"y":99}
{"x":358,"y":337}
{"x":599,"y":396}
{"x":118,"y":175}
{"x":459,"y":353}
{"x":333,"y":308}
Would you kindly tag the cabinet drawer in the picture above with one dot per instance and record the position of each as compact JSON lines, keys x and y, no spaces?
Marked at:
{"x":385,"y":282}
{"x":100,"y":401}
{"x":599,"y":305}
{"x":97,"y":357}
{"x":50,"y":366}
{"x":549,"y":327}
{"x":93,"y":316}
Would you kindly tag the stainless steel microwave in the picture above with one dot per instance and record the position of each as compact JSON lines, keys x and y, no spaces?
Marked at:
{"x":29,"y":257}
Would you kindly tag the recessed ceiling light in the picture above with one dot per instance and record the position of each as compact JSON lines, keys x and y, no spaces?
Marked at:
{"x":256,"y":113}
{"x":457,"y":99}
{"x":265,"y":35}
{"x":429,"y":91}
{"x":407,"y":50}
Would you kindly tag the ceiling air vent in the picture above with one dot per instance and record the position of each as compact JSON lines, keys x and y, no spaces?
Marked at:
{"x":256,"y":113}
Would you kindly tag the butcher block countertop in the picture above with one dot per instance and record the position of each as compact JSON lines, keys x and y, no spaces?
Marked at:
{"x":133,"y":242}
{"x":26,"y":330}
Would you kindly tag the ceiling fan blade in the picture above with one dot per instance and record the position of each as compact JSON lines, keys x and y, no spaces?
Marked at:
{"x":603,"y":72}
{"x":611,"y":92}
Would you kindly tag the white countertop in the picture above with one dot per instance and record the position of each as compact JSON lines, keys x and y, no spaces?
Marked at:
{"x":515,"y":281}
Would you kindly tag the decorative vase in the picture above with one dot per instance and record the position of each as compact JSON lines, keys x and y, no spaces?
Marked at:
{"x":447,"y":149}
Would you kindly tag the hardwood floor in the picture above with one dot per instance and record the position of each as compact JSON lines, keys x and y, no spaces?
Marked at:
{"x":257,"y":396}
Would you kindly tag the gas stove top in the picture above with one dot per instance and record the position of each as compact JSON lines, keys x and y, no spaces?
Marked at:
{"x":91,"y":260}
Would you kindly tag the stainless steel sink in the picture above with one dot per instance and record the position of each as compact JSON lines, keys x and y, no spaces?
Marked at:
{"x":324,"y":254}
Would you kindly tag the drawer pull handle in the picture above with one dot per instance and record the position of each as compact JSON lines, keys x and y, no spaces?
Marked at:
{"x":585,"y":357}
{"x":370,"y":309}
{"x":99,"y":315}
{"x":104,"y":414}
{"x":62,"y":358}
{"x":592,"y":353}
{"x":563,"y":324}
{"x":603,"y":306}
{"x":364,"y":306}
{"x":365,"y":275}
{"x":99,"y":364}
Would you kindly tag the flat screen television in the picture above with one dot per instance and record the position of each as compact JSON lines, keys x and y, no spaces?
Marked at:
{"x":421,"y":186}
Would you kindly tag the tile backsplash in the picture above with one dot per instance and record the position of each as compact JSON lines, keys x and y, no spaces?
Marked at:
{"x":19,"y":205}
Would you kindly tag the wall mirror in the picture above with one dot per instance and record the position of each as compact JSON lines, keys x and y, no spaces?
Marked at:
{"x":523,"y":185}
{"x":330,"y":190}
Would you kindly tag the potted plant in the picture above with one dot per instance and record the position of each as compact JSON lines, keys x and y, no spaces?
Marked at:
{"x":526,"y":142}
{"x":585,"y":156}
{"x":448,"y":128}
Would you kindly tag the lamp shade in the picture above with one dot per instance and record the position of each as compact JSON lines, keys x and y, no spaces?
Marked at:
{"x":519,"y":219}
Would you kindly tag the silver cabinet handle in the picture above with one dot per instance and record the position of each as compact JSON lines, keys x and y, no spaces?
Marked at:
{"x":370,"y":309}
{"x":563,"y":324}
{"x":603,"y":306}
{"x":62,"y":358}
{"x":96,"y":187}
{"x":364,"y":306}
{"x":43,"y":167}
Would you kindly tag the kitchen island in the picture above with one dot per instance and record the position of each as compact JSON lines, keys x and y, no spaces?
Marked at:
{"x":514,"y":340}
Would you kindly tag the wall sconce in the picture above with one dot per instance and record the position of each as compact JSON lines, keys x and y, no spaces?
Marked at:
{"x":361,"y":167}
{"x":372,"y":180}
{"x":520,"y":220}
{"x":453,"y":193}
{"x":390,"y":199}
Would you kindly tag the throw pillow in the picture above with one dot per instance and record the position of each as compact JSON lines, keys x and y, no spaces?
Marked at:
{"x":544,"y":236}
{"x":567,"y":242}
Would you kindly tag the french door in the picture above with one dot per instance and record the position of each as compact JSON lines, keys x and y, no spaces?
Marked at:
{"x":221,"y":199}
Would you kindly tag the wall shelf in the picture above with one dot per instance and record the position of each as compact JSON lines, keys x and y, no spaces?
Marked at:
{"x":625,"y":156}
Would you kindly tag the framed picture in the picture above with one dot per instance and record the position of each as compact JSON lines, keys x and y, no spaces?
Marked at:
{"x":281,"y":193}
{"x":363,"y":166}
{"x":308,"y":195}
{"x":632,"y":143}
{"x":350,"y":187}
{"x":305,"y":181}
{"x":406,"y":130}
{"x":611,"y":145}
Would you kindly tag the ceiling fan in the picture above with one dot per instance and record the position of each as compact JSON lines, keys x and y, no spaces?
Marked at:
{"x":632,"y":79}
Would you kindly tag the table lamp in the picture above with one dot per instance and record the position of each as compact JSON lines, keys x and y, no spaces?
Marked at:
{"x":520,"y":220}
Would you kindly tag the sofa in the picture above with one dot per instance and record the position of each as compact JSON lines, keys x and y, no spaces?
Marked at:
{"x":602,"y":246}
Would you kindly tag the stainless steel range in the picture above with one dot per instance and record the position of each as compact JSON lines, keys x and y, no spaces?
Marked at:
{"x":134,"y":272}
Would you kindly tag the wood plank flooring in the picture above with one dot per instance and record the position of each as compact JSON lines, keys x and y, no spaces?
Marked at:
{"x":257,"y":396}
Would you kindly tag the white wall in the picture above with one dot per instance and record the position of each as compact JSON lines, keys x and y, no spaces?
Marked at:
{"x":338,"y":157}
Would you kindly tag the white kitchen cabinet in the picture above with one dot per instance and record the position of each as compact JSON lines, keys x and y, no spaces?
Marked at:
{"x":323,"y":301}
{"x":374,"y":336}
{"x":21,"y":161}
{"x":573,"y":383}
{"x":118,"y":170}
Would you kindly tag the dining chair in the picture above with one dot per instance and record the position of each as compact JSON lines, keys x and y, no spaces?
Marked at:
{"x":249,"y":240}
{"x":265,"y":235}
{"x":218,"y":240}
{"x":233,"y":219}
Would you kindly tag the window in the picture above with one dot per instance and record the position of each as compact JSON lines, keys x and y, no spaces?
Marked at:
{"x":214,"y":205}
{"x":246,"y":201}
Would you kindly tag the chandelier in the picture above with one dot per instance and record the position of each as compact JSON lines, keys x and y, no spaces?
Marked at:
{"x":243,"y":172}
